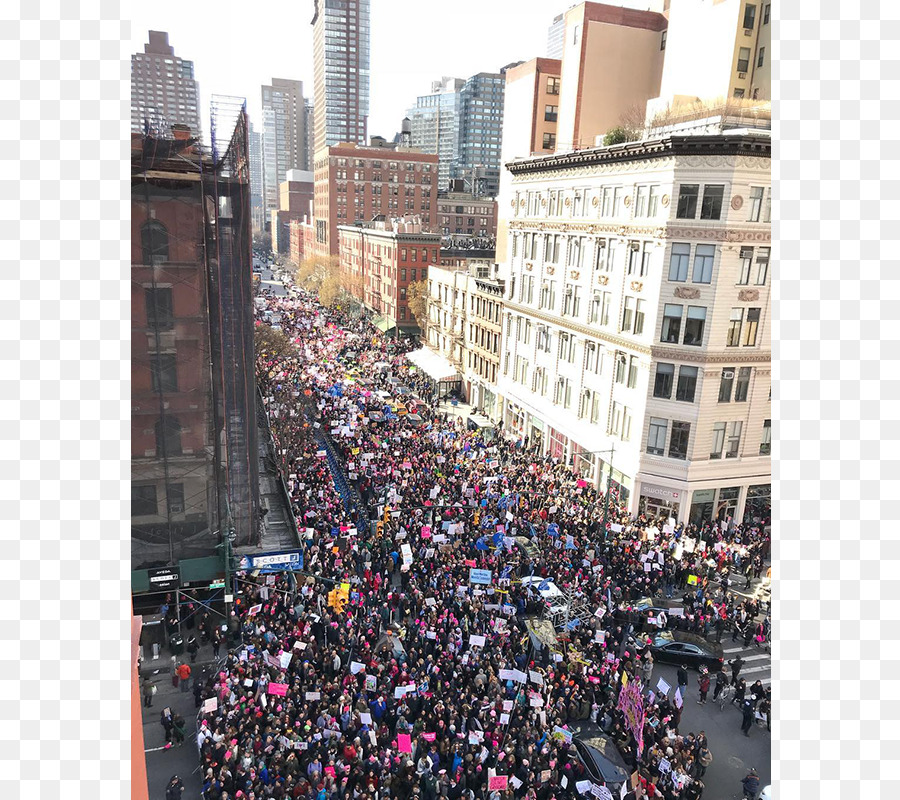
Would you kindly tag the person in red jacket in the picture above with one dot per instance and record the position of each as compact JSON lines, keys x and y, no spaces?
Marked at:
{"x":704,"y":686}
{"x":184,"y":672}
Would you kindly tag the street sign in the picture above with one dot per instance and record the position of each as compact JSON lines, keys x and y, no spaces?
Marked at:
{"x":163,"y":578}
{"x":272,"y":562}
{"x":217,"y":585}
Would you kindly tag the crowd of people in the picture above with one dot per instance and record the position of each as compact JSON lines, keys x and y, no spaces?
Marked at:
{"x":424,"y":678}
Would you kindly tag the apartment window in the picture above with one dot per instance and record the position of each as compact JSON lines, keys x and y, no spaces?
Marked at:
{"x":553,"y":85}
{"x":743,"y":63}
{"x":765,"y":446}
{"x":687,"y":200}
{"x":640,"y":202}
{"x":601,"y":256}
{"x":639,"y":318}
{"x":567,"y":347}
{"x":604,"y":311}
{"x":746,"y":261}
{"x":143,"y":501}
{"x":712,"y":201}
{"x":726,"y":385}
{"x":506,"y":363}
{"x":621,"y":367}
{"x":403,"y":275}
{"x":678,"y":444}
{"x":595,"y":407}
{"x":594,"y":308}
{"x":615,"y":427}
{"x":628,"y":315}
{"x":159,"y":308}
{"x":671,"y":323}
{"x":750,"y":329}
{"x":718,"y":440}
{"x":662,"y":386}
{"x":645,"y":259}
{"x":749,"y":15}
{"x":766,"y":9}
{"x":678,"y":263}
{"x":632,"y":372}
{"x":733,"y":439}
{"x":687,"y":384}
{"x":549,"y":141}
{"x":656,"y":437}
{"x":578,"y":203}
{"x":617,"y":201}
{"x":734,"y":327}
{"x":762,"y":266}
{"x":626,"y":424}
{"x":742,"y":386}
{"x":634,"y":257}
{"x":739,"y":93}
{"x":703,"y":262}
{"x":555,"y":203}
{"x":662,"y":40}
{"x":532,"y":251}
{"x":168,"y":437}
{"x":515,"y":245}
{"x":528,"y":288}
{"x":693,"y":327}
{"x":762,"y":57}
{"x":412,"y":274}
{"x":756,"y":201}
{"x":154,"y":243}
{"x":550,"y":113}
{"x":591,"y":357}
{"x":414,"y":255}
{"x":575,"y":251}
{"x":163,"y":374}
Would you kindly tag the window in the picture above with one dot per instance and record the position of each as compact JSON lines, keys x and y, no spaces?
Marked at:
{"x":703,"y":261}
{"x":628,"y":314}
{"x":575,"y":251}
{"x":738,"y":93}
{"x":553,"y":85}
{"x":159,"y":308}
{"x":656,"y":438}
{"x":168,"y":437}
{"x":632,"y":372}
{"x":718,"y":440}
{"x":143,"y":501}
{"x":671,"y":324}
{"x":552,"y":248}
{"x":591,"y":357}
{"x":765,"y":446}
{"x":767,"y":208}
{"x":604,"y":310}
{"x":617,"y":201}
{"x":726,"y":385}
{"x":662,"y":386}
{"x":550,"y":113}
{"x":412,"y":274}
{"x":756,"y":200}
{"x":678,"y":444}
{"x":734,"y":327}
{"x":595,"y":407}
{"x":762,"y":57}
{"x":749,"y":16}
{"x":640,"y":203}
{"x":549,"y":141}
{"x":634,"y":257}
{"x":567,"y":347}
{"x":742,"y":387}
{"x":403,"y":274}
{"x":414,"y":255}
{"x":626,"y":424}
{"x":746,"y":260}
{"x":678,"y":264}
{"x":687,"y":200}
{"x":662,"y":40}
{"x":154,"y":243}
{"x":639,"y":318}
{"x":653,"y":201}
{"x":762,"y":266}
{"x":712,"y":201}
{"x":750,"y":329}
{"x":615,"y":426}
{"x":163,"y":374}
{"x":766,"y":9}
{"x":621,"y":367}
{"x":645,"y":259}
{"x":733,"y":439}
{"x":578,"y":204}
{"x":743,"y":63}
{"x":687,"y":384}
{"x":175,"y":498}
{"x":693,"y":327}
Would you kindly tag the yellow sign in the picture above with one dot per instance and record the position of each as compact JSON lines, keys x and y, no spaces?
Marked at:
{"x":692,"y":580}
{"x":624,"y":679}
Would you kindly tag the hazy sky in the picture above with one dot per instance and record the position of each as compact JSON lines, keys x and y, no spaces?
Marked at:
{"x":238,"y":46}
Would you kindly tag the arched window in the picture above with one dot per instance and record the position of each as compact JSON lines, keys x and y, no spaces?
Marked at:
{"x":168,"y":437}
{"x":155,"y":242}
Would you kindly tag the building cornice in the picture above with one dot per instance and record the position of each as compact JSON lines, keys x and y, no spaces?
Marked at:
{"x":700,"y":356}
{"x":667,"y":231}
{"x":677,"y":146}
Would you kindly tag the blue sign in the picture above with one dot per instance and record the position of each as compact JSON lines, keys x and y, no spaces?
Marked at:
{"x":482,"y":576}
{"x":272,"y":562}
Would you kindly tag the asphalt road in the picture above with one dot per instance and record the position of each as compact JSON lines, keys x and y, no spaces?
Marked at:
{"x":267,"y":279}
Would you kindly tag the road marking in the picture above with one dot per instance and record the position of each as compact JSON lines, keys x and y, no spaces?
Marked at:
{"x":733,"y":650}
{"x":766,"y":681}
{"x":757,"y":658}
{"x":755,"y":669}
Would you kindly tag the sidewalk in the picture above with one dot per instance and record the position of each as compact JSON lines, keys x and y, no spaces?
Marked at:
{"x":183,"y":761}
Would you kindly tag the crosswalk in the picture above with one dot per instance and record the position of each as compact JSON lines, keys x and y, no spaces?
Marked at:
{"x":757,"y":661}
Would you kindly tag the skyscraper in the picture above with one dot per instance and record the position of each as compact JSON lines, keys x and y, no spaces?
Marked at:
{"x":163,"y":89}
{"x":256,"y":179}
{"x":284,"y":142}
{"x":434,"y":126}
{"x":555,"y":35}
{"x":341,"y":57}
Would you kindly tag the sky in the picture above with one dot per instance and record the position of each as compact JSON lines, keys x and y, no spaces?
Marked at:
{"x":236,"y":47}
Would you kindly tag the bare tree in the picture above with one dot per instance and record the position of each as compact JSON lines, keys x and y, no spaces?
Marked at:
{"x":417,"y":300}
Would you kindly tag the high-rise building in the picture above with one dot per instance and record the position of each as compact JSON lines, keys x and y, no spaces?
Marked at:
{"x":310,"y":131}
{"x":463,"y":217}
{"x":194,"y":460}
{"x":357,"y":184}
{"x":257,"y":205}
{"x":341,"y":72}
{"x":555,"y":37}
{"x":462,"y":121}
{"x":637,"y":319}
{"x":163,"y":89}
{"x":284,"y":139}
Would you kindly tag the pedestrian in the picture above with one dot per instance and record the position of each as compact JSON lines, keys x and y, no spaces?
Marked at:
{"x":747,"y":721}
{"x":704,"y":686}
{"x":178,"y":728}
{"x":165,"y":719}
{"x":721,"y":683}
{"x":193,"y":647}
{"x":704,"y":759}
{"x":174,"y":789}
{"x":149,"y":689}
{"x":647,"y":667}
{"x":184,"y":672}
{"x":216,"y":641}
{"x":735,"y":664}
{"x":720,"y":627}
{"x":682,"y":679}
{"x":750,"y":785}
{"x":198,"y":691}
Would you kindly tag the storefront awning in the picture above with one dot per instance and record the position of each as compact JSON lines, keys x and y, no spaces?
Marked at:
{"x":433,"y":364}
{"x":382,"y":323}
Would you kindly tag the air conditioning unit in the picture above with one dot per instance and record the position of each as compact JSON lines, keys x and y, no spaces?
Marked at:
{"x":727,"y":374}
{"x":601,"y":243}
{"x":746,"y":252}
{"x":742,"y":74}
{"x":176,"y":509}
{"x":748,"y":31}
{"x":635,"y":246}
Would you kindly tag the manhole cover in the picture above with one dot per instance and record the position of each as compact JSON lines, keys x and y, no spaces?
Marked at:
{"x":735,"y":762}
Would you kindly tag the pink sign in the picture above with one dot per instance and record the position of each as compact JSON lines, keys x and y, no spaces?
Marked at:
{"x":404,"y":743}
{"x":429,"y":737}
{"x":498,"y":782}
{"x":470,"y":562}
{"x":279,"y":689}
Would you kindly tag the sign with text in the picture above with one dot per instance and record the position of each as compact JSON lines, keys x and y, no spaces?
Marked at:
{"x":164,"y":578}
{"x":482,"y":576}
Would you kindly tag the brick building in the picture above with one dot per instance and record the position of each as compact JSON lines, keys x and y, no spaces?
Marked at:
{"x":463,"y":215}
{"x":295,"y":197}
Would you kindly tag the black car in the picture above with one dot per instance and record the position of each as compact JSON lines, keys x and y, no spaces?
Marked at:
{"x":676,"y":647}
{"x":602,"y":760}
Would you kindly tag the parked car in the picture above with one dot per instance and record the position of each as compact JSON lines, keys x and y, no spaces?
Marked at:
{"x":677,"y":647}
{"x":549,"y":594}
{"x":602,"y":760}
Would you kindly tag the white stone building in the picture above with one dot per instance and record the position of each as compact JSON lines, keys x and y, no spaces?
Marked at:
{"x":637,"y":318}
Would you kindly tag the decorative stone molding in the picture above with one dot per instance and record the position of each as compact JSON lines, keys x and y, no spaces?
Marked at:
{"x":637,"y":286}
{"x":748,"y":295}
{"x":664,"y":201}
{"x":687,"y":293}
{"x":568,"y":202}
{"x":737,"y":202}
{"x":529,"y":266}
{"x":551,"y":270}
{"x":512,"y":203}
{"x":574,"y":275}
{"x":603,"y":279}
{"x":697,"y":355}
{"x":595,"y":201}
